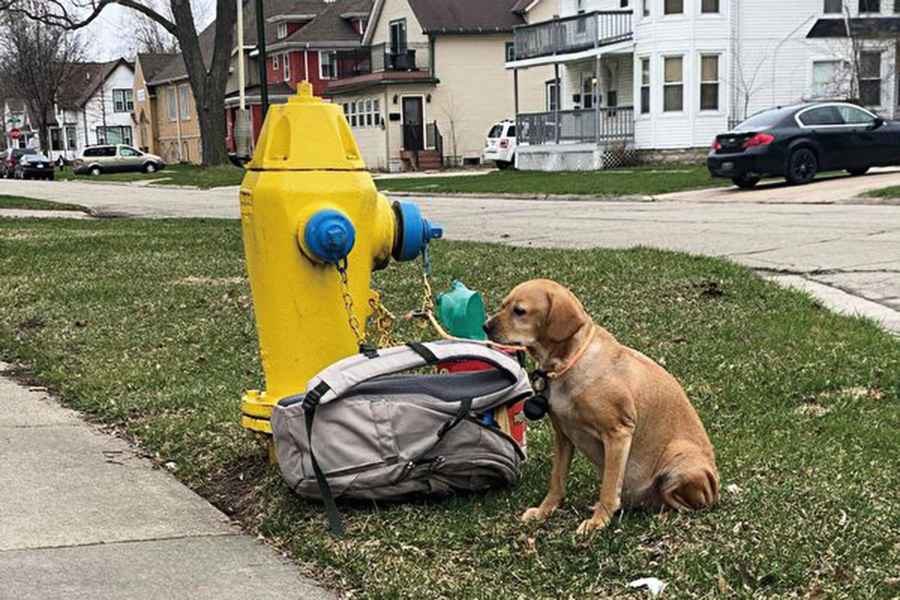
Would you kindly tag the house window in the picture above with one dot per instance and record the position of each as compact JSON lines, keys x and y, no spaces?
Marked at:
{"x":645,"y":8}
{"x":510,"y":50}
{"x":71,"y":139}
{"x":369,"y":117}
{"x":352,"y":118}
{"x":673,"y":84}
{"x":834,"y":6}
{"x":275,"y":62}
{"x":122,"y":101}
{"x":612,"y":93}
{"x":587,"y":93}
{"x":398,"y":36}
{"x":114,"y":135}
{"x":282,"y":31}
{"x":286,"y":67}
{"x":709,"y":6}
{"x":172,"y":103}
{"x":328,"y":65}
{"x":376,"y":109}
{"x":552,"y":95}
{"x":673,"y":7}
{"x":56,"y":139}
{"x":870,"y":6}
{"x":827,"y":77}
{"x":709,"y":82}
{"x":184,"y":101}
{"x":870,"y":78}
{"x":645,"y":86}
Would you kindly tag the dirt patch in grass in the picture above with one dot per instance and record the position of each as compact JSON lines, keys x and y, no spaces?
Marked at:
{"x":22,"y":203}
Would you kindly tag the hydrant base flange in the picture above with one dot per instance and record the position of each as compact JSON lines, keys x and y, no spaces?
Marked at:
{"x":256,"y":412}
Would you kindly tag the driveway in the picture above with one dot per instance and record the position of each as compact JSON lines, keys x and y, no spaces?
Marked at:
{"x":847,"y":254}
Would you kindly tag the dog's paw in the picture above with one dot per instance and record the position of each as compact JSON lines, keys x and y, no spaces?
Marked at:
{"x":591,"y":525}
{"x":533,"y":514}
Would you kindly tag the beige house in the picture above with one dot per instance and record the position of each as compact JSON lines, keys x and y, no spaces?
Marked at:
{"x":165,"y":114}
{"x":436,"y":80}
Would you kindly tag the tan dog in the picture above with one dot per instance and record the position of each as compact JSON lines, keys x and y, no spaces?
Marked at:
{"x":621,"y":409}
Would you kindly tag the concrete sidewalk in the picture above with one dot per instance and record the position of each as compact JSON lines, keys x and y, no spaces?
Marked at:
{"x":82,"y":516}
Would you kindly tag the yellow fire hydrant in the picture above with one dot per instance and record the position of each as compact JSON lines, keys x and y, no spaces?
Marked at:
{"x":310,"y":214}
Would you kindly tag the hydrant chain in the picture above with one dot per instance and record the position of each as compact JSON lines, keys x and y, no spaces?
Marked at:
{"x":352,"y":319}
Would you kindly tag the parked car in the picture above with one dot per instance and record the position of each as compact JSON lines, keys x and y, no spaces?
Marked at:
{"x":500,"y":145}
{"x":34,"y":166}
{"x":796,"y":142}
{"x":115,"y":158}
{"x":11,"y":159}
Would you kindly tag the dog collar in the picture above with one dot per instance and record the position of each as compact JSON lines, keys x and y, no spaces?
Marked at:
{"x":575,"y":357}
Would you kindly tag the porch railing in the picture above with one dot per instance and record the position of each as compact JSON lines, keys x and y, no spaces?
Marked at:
{"x":412,"y":57}
{"x":576,"y":126}
{"x":572,"y":34}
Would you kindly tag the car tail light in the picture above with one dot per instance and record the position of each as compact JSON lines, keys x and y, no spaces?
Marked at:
{"x":504,"y":143}
{"x":760,"y":139}
{"x":716,"y":145}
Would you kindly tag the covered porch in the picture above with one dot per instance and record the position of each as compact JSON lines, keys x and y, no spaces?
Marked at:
{"x":588,"y":121}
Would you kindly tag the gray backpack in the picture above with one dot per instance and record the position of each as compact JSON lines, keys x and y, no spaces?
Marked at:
{"x":362,"y":430}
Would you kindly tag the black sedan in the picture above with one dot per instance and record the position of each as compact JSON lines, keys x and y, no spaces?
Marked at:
{"x":796,"y":142}
{"x":34,"y":166}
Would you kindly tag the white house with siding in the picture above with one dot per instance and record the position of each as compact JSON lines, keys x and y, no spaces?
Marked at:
{"x":95,"y":107}
{"x":671,"y":74}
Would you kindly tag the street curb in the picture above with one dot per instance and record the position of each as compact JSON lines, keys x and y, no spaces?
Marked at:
{"x":533,"y":197}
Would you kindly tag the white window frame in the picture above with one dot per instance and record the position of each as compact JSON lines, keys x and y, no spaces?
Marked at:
{"x":281,"y":31}
{"x":286,"y":67}
{"x":646,"y":9}
{"x":681,"y":14}
{"x":715,"y":13}
{"x":184,"y":101}
{"x":321,"y":62}
{"x":681,"y":83}
{"x":275,"y":64}
{"x":837,"y":83}
{"x":550,"y":84}
{"x":172,"y":103}
{"x":123,"y":96}
{"x":825,"y":10}
{"x":640,"y":81}
{"x":879,"y":79}
{"x":870,"y":12}
{"x":702,"y":82}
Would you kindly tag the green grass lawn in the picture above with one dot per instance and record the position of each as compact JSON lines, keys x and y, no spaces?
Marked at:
{"x":35,"y":204}
{"x":188,"y":175}
{"x":649,"y":180}
{"x":887,"y":192}
{"x":147,"y":326}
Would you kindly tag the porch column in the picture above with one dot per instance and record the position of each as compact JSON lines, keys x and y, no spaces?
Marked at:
{"x":595,"y":90}
{"x":558,"y":100}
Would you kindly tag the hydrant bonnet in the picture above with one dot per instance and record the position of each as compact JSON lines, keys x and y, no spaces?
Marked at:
{"x":329,"y":236}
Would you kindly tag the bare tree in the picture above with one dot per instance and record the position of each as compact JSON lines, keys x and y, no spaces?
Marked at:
{"x":858,"y":64}
{"x":36,"y":63}
{"x":150,"y":37}
{"x":208,"y":75}
{"x":747,"y":80}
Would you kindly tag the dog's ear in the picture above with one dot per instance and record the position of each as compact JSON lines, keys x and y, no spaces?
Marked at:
{"x":565,"y":316}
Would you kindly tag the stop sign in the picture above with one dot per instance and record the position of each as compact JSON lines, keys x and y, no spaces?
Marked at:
{"x":14,"y":134}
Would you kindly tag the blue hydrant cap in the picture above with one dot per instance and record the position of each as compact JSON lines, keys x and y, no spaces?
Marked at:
{"x":330,"y":236}
{"x":414,"y":231}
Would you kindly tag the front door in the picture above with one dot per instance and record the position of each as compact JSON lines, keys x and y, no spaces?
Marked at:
{"x":413,"y":124}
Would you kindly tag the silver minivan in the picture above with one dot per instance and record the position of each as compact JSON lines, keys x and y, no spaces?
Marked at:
{"x":115,"y":158}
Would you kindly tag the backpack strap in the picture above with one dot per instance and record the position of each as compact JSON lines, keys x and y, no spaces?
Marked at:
{"x":310,"y":403}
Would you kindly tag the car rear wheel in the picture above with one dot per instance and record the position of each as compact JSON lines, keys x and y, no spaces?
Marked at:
{"x":149,"y":168}
{"x":802,"y":166}
{"x":745,"y":182}
{"x":503,"y":164}
{"x":95,"y":171}
{"x":858,"y":171}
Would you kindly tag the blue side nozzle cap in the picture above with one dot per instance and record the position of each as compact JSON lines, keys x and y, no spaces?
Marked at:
{"x":415,"y":231}
{"x":330,"y":236}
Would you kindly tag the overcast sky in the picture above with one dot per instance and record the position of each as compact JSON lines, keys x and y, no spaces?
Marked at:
{"x":107,"y":37}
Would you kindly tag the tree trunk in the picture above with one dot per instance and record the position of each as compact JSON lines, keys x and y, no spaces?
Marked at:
{"x":211,"y":115}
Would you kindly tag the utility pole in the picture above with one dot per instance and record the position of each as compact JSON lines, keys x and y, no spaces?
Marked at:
{"x":263,"y":67}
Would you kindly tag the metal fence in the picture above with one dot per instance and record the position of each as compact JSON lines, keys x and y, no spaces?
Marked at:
{"x":413,"y":57}
{"x":575,"y":126}
{"x":572,"y":34}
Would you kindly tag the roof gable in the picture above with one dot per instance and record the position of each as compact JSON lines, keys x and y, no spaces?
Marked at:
{"x":466,"y":16}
